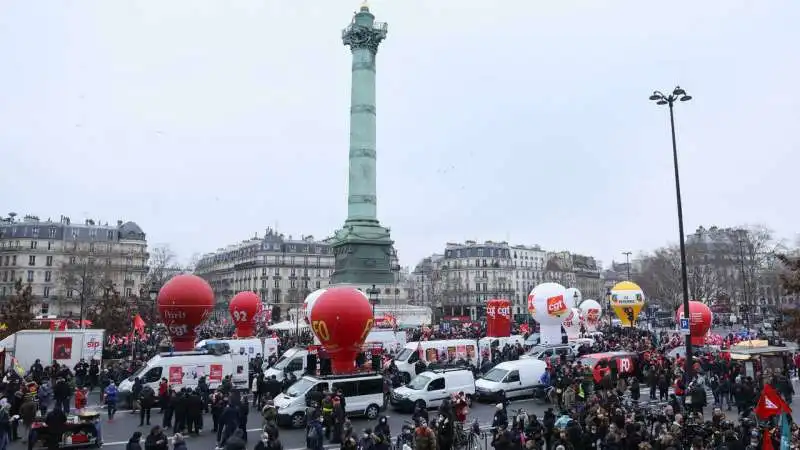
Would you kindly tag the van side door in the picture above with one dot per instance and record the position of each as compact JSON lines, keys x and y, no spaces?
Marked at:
{"x":436,"y":392}
{"x":513,"y":385}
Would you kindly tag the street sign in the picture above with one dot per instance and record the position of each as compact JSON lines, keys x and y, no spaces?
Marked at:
{"x":684,"y":324}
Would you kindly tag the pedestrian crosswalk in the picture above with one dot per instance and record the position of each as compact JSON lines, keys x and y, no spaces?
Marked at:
{"x":644,"y":393}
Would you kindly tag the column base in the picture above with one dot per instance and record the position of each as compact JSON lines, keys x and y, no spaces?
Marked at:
{"x":363,"y":250}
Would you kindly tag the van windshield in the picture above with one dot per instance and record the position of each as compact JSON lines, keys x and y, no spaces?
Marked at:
{"x":588,"y":362}
{"x":495,"y":375}
{"x":419,"y":382}
{"x":138,"y":373}
{"x":284,"y":360}
{"x":299,"y":388}
{"x":403,"y":356}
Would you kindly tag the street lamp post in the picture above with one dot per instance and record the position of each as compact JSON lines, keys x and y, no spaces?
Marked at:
{"x":680,"y":95}
{"x":608,"y":305}
{"x":153,"y":294}
{"x":628,"y":263}
{"x":373,"y":298}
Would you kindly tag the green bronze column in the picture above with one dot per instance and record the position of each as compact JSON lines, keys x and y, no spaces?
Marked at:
{"x":363,"y":248}
{"x":363,"y":36}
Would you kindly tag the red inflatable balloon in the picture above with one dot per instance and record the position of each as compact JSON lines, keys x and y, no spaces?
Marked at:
{"x":184,"y":302}
{"x":243,"y":308}
{"x":498,"y":317}
{"x":342,"y":319}
{"x":699,"y":321}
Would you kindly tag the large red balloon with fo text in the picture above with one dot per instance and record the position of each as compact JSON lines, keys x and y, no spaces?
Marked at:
{"x":342,"y":319}
{"x":244,"y":308}
{"x":184,"y":302}
{"x":699,"y":321}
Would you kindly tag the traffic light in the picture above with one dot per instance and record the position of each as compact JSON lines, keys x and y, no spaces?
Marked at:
{"x":629,"y":313}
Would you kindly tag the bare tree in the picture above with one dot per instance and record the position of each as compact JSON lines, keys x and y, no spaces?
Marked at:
{"x":17,"y":315}
{"x":758,"y":254}
{"x":661,"y":279}
{"x":163,"y":265}
{"x":85,"y":278}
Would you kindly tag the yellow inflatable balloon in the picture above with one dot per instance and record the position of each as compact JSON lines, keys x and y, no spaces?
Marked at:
{"x":627,"y":300}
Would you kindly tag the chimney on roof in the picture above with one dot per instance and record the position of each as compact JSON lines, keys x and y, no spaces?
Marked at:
{"x":119,"y":223}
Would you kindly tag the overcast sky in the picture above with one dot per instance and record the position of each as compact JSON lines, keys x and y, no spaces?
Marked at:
{"x":206,"y":121}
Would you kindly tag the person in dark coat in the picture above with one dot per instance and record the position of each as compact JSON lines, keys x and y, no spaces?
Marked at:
{"x":134,"y":441}
{"x":55,"y":421}
{"x":181,"y":410}
{"x":156,"y":440}
{"x":217,"y":407}
{"x":62,"y":393}
{"x":244,"y":410}
{"x":236,"y":441}
{"x":148,"y":400}
{"x":194,"y":412}
{"x":229,"y":422}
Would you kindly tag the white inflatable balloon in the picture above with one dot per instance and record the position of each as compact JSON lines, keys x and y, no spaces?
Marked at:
{"x":308,"y":303}
{"x":592,"y":311}
{"x":574,"y":297}
{"x":572,"y":323}
{"x":549,"y":309}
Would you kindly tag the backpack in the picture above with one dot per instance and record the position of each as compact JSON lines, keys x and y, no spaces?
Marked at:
{"x":313,"y":435}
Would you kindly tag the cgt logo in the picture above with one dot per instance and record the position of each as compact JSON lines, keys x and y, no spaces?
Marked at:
{"x":556,"y":306}
{"x":491,"y":311}
{"x":505,"y":311}
{"x":593,"y":315}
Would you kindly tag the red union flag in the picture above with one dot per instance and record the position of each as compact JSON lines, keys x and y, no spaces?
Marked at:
{"x":770,"y":404}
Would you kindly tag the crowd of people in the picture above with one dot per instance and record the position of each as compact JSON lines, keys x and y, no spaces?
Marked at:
{"x":591,"y":408}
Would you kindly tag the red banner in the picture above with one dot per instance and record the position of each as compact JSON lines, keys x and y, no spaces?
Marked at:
{"x":62,"y":347}
{"x":175,"y":375}
{"x":215,"y":372}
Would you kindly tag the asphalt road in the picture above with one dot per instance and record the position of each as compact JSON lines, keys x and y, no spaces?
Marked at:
{"x":117,"y":433}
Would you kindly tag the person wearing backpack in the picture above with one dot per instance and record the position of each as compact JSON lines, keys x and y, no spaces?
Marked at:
{"x":314,"y":434}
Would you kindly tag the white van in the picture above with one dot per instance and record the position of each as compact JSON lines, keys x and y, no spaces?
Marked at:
{"x":249,"y":347}
{"x":363,"y":396}
{"x":510,"y":379}
{"x":184,"y":369}
{"x":433,"y":351}
{"x":390,"y":340}
{"x":430,"y":388}
{"x":293,"y":360}
{"x":500,"y":342}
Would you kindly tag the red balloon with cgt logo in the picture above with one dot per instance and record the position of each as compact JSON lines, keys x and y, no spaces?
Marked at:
{"x":184,"y":302}
{"x":341,"y":319}
{"x":699,"y":321}
{"x":498,"y":317}
{"x":244,"y":308}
